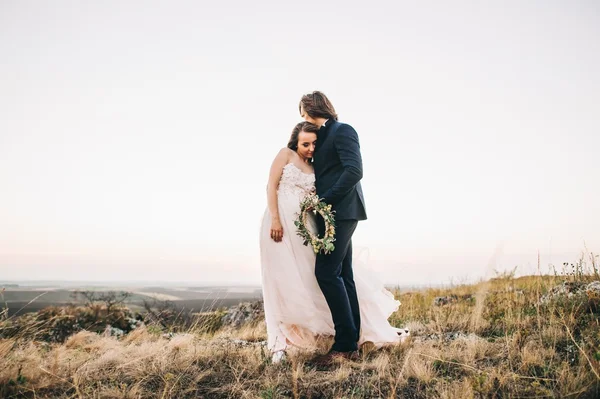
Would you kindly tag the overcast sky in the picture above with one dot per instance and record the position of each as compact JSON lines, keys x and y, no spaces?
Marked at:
{"x":136,"y":136}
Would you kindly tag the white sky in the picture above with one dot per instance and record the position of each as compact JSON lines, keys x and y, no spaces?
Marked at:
{"x":136,"y":136}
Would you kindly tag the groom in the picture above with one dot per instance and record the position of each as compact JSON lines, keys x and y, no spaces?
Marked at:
{"x":338,"y":169}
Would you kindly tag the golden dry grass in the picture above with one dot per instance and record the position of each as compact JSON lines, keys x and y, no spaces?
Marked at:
{"x":508,"y":347}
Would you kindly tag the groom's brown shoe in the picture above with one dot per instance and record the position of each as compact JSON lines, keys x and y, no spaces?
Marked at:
{"x":332,"y":357}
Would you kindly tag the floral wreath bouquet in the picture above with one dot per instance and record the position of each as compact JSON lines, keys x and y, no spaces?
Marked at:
{"x":312,"y":203}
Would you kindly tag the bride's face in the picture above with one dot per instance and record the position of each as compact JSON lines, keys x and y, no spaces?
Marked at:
{"x":306,"y":144}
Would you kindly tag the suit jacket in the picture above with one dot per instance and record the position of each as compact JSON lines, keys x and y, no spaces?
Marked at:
{"x":338,"y":170}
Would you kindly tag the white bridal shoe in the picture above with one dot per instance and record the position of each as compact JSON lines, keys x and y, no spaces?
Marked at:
{"x":278,"y":356}
{"x":403,"y":333}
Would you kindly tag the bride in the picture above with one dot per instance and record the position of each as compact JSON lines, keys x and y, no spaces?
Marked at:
{"x":296,"y":311}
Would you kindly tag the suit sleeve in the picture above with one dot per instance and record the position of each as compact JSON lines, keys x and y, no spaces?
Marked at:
{"x":348,"y":149}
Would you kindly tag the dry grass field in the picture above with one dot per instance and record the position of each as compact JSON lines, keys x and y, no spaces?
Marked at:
{"x":503,"y":338}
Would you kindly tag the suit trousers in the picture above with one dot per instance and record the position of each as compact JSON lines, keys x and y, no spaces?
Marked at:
{"x":336,"y":280}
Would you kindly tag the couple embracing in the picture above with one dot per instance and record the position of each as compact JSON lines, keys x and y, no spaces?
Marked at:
{"x":306,"y":295}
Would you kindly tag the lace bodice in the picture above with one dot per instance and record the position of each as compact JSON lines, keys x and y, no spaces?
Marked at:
{"x":295,"y":182}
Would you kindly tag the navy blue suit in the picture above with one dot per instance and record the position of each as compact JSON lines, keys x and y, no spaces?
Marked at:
{"x":338,"y":170}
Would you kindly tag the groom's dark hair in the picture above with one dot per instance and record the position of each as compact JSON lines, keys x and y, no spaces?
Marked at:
{"x":301,"y":127}
{"x":317,"y":105}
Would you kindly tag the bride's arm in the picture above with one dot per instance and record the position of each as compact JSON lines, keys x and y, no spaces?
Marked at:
{"x":274,"y":176}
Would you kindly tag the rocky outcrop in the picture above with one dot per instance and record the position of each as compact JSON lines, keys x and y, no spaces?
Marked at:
{"x":448,"y":337}
{"x":244,"y":313}
{"x":593,"y":290}
{"x":572,"y":289}
{"x":445,"y":300}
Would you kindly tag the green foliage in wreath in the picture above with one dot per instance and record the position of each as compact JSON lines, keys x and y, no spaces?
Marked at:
{"x":312,"y":203}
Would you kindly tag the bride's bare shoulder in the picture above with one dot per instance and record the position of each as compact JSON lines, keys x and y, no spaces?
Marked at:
{"x":285,"y":154}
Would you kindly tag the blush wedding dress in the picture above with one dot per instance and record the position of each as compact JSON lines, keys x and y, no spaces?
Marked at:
{"x":296,"y":312}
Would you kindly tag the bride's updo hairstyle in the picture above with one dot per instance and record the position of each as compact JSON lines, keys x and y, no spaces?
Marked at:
{"x":317,"y":105}
{"x":301,"y":127}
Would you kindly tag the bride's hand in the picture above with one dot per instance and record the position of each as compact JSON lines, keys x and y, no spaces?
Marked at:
{"x":276,"y":230}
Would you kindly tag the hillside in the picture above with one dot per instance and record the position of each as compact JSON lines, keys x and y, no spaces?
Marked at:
{"x":21,"y":299}
{"x":526,"y":337}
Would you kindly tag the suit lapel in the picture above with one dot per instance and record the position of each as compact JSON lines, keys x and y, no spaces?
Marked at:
{"x":324,"y":144}
{"x":325,"y":134}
